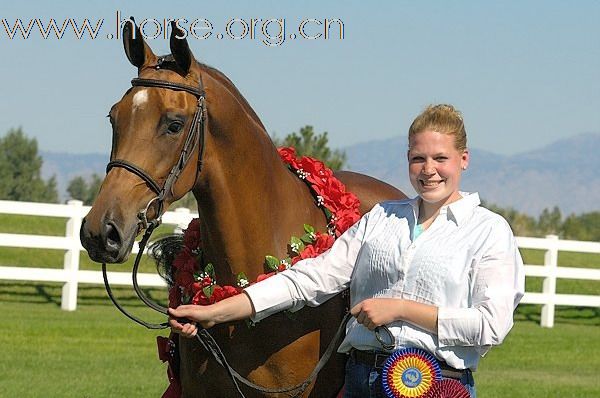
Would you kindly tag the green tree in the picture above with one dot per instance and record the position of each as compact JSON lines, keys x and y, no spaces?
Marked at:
{"x":307,"y":143}
{"x":81,"y":189}
{"x":521,"y":224}
{"x":583,"y":227}
{"x":20,"y":170}
{"x":550,"y":222}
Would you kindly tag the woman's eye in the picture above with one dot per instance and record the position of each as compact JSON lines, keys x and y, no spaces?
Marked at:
{"x":175,"y":127}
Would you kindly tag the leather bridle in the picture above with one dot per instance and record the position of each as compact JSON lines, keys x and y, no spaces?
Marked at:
{"x":193,"y":140}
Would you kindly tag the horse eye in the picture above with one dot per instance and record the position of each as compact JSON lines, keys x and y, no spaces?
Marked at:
{"x":175,"y":127}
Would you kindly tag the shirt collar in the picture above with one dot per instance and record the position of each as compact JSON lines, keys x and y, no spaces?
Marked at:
{"x":459,"y":211}
{"x":462,"y":209}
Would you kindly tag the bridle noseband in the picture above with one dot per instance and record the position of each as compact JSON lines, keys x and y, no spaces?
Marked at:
{"x":194,"y":138}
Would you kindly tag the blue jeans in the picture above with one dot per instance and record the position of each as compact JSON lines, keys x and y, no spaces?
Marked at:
{"x":364,"y":381}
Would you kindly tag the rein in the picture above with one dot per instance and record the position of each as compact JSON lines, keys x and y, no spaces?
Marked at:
{"x":195,"y":137}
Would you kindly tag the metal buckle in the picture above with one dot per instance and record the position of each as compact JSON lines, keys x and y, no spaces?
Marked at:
{"x":142,"y":215}
{"x":391,"y":344}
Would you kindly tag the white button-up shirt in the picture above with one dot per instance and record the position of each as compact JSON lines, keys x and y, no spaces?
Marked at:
{"x":466,"y":263}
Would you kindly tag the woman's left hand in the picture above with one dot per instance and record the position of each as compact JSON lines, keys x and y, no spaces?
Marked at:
{"x":375,"y":312}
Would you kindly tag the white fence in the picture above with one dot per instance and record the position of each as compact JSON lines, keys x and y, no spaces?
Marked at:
{"x":71,"y":275}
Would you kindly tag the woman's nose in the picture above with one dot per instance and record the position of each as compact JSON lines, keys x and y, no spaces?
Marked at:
{"x":428,"y":168}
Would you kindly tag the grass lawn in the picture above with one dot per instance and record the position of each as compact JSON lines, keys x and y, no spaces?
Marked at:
{"x":92,"y":352}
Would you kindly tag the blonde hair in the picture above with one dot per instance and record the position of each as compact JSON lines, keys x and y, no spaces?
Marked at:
{"x":444,"y":119}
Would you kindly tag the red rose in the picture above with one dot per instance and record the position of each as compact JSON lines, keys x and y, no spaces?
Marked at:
{"x":346,"y":220}
{"x":288,"y":155}
{"x":262,"y":277}
{"x":185,"y":261}
{"x":206,"y":281}
{"x":185,"y":279}
{"x":323,"y":242}
{"x":200,"y":298}
{"x":349,"y":201}
{"x":196,"y":287}
{"x":296,"y":259}
{"x":308,"y":252}
{"x":318,"y":172}
{"x":191,"y":236}
{"x":174,"y":297}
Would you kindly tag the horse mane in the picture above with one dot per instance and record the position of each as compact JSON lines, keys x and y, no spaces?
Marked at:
{"x":223,"y":79}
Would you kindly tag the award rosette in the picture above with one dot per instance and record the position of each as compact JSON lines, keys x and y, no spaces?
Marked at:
{"x":448,"y":388}
{"x":410,"y":373}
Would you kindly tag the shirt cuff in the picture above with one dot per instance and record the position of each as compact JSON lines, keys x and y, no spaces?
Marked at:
{"x":269,"y":296}
{"x":458,"y":326}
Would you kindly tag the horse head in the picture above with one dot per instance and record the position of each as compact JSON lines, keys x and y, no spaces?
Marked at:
{"x":156,"y":146}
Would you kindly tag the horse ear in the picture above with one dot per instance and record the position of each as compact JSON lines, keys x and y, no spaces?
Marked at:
{"x":136,"y":49}
{"x":180,"y":48}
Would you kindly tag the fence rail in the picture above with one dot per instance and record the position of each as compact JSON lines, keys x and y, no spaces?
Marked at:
{"x":70,"y":274}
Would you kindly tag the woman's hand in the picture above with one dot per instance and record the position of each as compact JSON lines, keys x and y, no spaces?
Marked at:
{"x":231,"y":309}
{"x":193,"y":313}
{"x":377,"y":311}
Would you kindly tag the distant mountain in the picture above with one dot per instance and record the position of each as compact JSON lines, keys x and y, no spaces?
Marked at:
{"x":564,"y":173}
{"x":66,"y":166}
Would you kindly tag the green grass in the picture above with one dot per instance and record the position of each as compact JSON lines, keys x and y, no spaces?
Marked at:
{"x":91,"y":352}
{"x":97,"y":352}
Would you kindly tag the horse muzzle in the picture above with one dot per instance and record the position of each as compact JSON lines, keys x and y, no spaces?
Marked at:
{"x":109,"y":245}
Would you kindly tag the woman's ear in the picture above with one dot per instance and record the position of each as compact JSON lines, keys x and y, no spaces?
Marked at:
{"x":464,"y":161}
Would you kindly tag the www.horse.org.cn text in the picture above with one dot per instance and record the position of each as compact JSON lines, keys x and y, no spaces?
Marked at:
{"x":271,"y":32}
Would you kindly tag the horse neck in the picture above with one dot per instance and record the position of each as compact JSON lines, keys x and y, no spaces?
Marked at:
{"x":249,"y":202}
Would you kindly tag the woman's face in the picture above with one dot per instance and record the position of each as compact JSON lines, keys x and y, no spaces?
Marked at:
{"x":435,"y":166}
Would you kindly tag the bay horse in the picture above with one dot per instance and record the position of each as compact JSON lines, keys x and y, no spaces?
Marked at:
{"x":249,"y":205}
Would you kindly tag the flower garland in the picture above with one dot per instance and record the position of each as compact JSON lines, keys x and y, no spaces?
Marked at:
{"x":197,"y":285}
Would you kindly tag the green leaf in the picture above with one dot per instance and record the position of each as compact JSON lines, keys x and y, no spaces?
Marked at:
{"x":327,"y":213}
{"x":309,"y":229}
{"x":208,"y":290}
{"x":210,"y":270}
{"x":242,"y":277}
{"x":272,"y":262}
{"x":307,"y":238}
{"x":296,"y":244}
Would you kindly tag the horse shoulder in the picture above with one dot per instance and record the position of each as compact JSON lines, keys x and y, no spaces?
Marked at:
{"x":368,"y":189}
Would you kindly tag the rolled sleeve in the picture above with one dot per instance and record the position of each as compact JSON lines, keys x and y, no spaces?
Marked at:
{"x":270,"y":296}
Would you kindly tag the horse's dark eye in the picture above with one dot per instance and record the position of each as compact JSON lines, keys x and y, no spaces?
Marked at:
{"x":175,"y":127}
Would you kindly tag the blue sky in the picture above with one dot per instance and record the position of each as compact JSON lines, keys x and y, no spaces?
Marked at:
{"x":524,"y":73}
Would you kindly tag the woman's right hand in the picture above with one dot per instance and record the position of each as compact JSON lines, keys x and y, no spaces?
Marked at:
{"x":194,"y":313}
{"x":231,"y":309}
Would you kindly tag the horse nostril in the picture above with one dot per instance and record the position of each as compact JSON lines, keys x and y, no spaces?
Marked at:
{"x":113,"y":237}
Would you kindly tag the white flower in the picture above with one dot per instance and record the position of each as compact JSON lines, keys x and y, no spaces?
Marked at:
{"x":243,"y":282}
{"x":285,"y":263}
{"x":320,"y":200}
{"x":295,"y":247}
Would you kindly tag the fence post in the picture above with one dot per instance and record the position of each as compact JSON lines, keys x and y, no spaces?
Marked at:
{"x":71,"y":262}
{"x":549,"y":285}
